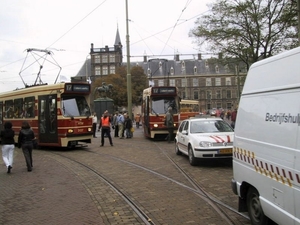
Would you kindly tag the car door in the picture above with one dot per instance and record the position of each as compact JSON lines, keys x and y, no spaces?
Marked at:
{"x":185,"y":136}
{"x":179,"y":136}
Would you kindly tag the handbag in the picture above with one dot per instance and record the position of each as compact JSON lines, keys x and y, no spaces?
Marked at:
{"x":131,"y":129}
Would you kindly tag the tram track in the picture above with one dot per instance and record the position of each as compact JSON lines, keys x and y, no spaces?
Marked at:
{"x":133,"y":205}
{"x":196,"y":188}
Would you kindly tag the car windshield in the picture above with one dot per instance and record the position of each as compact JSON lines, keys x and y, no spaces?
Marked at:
{"x":210,"y":126}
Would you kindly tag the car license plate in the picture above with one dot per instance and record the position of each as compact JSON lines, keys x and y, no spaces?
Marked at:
{"x":225,"y":151}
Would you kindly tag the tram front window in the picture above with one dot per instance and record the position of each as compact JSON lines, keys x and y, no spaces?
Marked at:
{"x":161,"y":105}
{"x":75,"y":106}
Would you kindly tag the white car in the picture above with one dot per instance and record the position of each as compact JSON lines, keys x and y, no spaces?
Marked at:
{"x":204,"y":137}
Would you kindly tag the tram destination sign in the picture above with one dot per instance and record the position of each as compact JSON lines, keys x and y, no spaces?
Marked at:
{"x":164,"y":90}
{"x":82,"y":88}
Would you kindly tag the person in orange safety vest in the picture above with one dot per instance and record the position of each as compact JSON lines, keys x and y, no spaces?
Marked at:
{"x":105,"y":123}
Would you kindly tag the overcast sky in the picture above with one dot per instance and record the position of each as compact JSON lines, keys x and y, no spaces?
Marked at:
{"x":157,"y":28}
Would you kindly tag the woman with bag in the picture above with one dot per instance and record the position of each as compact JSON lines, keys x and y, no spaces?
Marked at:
{"x":25,"y":140}
{"x":8,"y":145}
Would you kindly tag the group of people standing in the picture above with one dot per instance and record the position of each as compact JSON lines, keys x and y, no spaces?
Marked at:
{"x":121,"y":123}
{"x":25,"y":141}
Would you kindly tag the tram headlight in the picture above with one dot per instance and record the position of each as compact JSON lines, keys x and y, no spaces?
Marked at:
{"x":70,"y":131}
{"x":89,"y":129}
{"x":155,"y":125}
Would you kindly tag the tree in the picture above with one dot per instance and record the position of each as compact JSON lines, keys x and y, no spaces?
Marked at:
{"x":248,"y":30}
{"x":119,"y":82}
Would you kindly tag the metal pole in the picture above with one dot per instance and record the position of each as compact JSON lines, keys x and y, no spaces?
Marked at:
{"x":129,"y":98}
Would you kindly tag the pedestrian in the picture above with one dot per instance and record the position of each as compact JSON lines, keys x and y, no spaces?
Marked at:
{"x":115,"y":124}
{"x":25,"y":140}
{"x":95,"y":120}
{"x":8,"y":145}
{"x":222,"y":114}
{"x":128,"y":126}
{"x":120,"y":121}
{"x":233,"y":118}
{"x":105,"y":124}
{"x":169,"y":122}
{"x":137,"y":119}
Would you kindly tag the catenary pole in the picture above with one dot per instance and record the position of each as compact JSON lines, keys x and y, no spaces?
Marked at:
{"x":129,"y":94}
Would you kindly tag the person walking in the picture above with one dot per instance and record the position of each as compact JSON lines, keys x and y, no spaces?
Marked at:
{"x":8,"y":145}
{"x":233,"y":118}
{"x":137,"y":119}
{"x":128,"y":126}
{"x":120,"y":121}
{"x":105,"y":123}
{"x":169,"y":122}
{"x":95,"y":120}
{"x":25,"y":141}
{"x":115,"y":124}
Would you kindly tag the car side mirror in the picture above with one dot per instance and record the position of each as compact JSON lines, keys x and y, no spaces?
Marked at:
{"x":184,"y":132}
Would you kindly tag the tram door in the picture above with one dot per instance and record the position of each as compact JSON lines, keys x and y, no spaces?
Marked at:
{"x":47,"y":119}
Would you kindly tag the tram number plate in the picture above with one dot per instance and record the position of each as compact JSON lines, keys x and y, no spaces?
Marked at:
{"x":225,"y":151}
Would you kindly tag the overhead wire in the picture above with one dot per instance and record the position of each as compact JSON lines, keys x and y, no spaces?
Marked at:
{"x":77,"y":23}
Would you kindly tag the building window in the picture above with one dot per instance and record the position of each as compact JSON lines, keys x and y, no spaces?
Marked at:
{"x":161,"y":83}
{"x":228,"y":105}
{"x":97,"y":70}
{"x":196,"y":95}
{"x":104,"y":59}
{"x":218,"y":81}
{"x":217,"y":69}
{"x":208,"y":81}
{"x":104,"y":70}
{"x":112,"y":69}
{"x":218,"y":94}
{"x":195,"y":69}
{"x":112,"y":58}
{"x":183,"y":95}
{"x":228,"y":81}
{"x":228,"y":94}
{"x":97,"y":59}
{"x":172,"y":82}
{"x":160,"y":64}
{"x":183,"y":82}
{"x":208,"y":95}
{"x":172,"y":71}
{"x":195,"y":82}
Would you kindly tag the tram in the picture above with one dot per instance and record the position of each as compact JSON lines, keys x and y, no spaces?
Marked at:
{"x":155,"y":104}
{"x":188,"y":108}
{"x":59,"y":114}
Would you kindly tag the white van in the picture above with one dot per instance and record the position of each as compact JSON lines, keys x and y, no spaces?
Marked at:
{"x":266,"y":152}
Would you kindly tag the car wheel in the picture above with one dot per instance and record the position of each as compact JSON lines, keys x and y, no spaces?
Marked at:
{"x":255,"y":211}
{"x":192,"y":158}
{"x":177,"y":151}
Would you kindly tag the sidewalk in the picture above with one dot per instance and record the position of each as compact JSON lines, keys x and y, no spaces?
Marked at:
{"x":50,"y":194}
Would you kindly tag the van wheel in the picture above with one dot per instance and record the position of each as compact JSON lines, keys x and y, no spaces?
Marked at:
{"x":177,"y":149}
{"x":192,"y":158}
{"x":255,"y":211}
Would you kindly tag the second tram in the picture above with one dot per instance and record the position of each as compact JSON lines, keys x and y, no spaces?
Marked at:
{"x":59,"y":114}
{"x":156,"y":101}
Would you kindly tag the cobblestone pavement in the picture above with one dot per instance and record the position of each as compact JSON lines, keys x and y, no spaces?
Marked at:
{"x":61,"y":191}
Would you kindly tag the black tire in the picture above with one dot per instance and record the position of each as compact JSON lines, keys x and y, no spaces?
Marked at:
{"x":177,"y":149}
{"x":255,"y":211}
{"x":192,"y":158}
